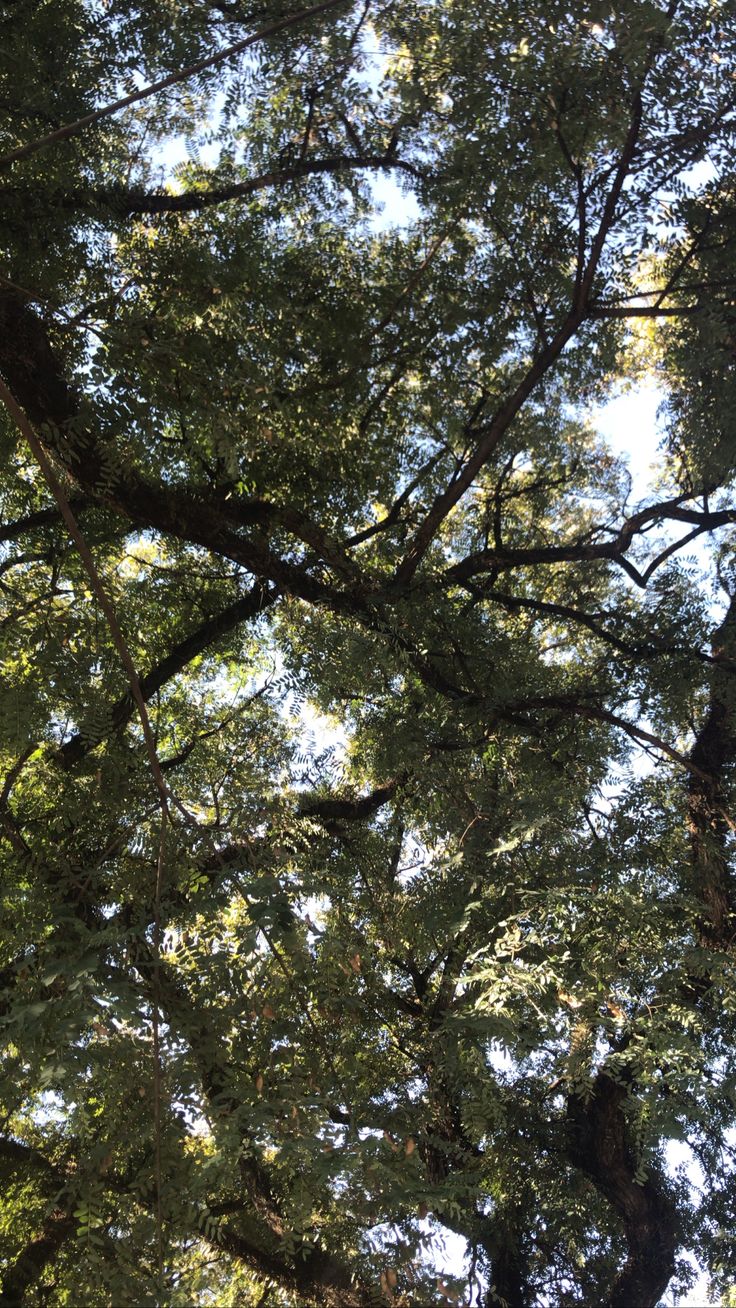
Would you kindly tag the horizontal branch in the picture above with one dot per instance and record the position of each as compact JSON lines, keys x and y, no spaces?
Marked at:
{"x":318,"y":1277}
{"x":643,"y":311}
{"x":19,"y":1155}
{"x":42,"y":518}
{"x":122,"y":201}
{"x":334,"y":810}
{"x":495,"y":559}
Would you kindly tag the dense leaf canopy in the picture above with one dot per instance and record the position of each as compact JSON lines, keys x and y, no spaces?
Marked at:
{"x":366,"y":742}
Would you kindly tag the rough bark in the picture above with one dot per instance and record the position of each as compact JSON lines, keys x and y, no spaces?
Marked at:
{"x":506,"y":1270}
{"x":713,"y":754}
{"x":600,"y":1145}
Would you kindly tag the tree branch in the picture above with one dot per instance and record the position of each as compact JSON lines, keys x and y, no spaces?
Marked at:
{"x":640,"y":649}
{"x":600,"y":1145}
{"x":495,"y":560}
{"x":711,"y":758}
{"x":255,"y":602}
{"x":120,"y":200}
{"x":319,"y":1278}
{"x":643,"y":311}
{"x":596,"y":713}
{"x":42,"y":518}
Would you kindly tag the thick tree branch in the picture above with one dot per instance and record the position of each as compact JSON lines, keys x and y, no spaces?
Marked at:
{"x":501,"y":559}
{"x":332,"y":811}
{"x":317,"y":1277}
{"x":121,"y":201}
{"x":41,"y":518}
{"x":37,"y":384}
{"x":600,"y":1145}
{"x":712,"y":758}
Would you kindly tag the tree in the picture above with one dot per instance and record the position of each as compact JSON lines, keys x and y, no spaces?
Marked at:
{"x":279,"y":1007}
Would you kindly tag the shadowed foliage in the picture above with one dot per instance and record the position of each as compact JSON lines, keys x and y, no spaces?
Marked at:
{"x":366,"y":799}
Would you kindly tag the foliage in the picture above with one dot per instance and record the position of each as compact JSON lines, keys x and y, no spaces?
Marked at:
{"x":435,"y":931}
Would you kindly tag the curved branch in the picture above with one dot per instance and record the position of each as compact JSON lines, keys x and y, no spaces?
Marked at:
{"x":505,"y":558}
{"x":332,"y":811}
{"x":318,"y":1278}
{"x":38,"y":386}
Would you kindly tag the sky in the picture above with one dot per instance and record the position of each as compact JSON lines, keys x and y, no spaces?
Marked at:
{"x":629,"y":424}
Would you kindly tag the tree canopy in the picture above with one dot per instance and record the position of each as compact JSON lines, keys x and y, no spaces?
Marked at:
{"x":367,"y":740}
